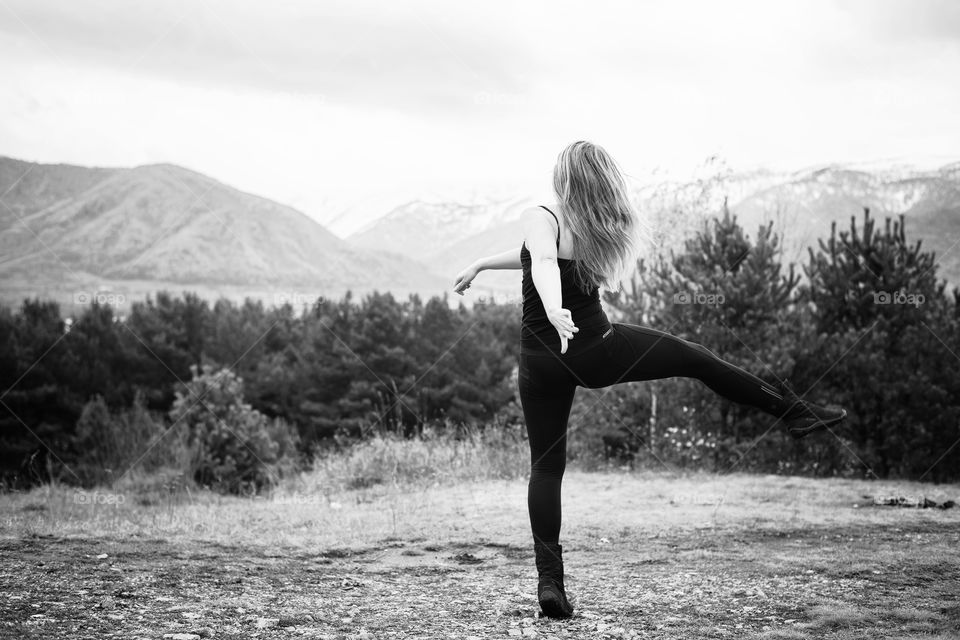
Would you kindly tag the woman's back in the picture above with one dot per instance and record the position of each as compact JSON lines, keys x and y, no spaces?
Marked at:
{"x":537,"y":335}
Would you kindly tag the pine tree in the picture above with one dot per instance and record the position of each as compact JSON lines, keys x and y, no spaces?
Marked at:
{"x":730,"y":294}
{"x":886,"y":346}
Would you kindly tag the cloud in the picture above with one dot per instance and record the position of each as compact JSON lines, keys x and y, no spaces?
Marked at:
{"x":309,"y":101}
{"x":914,"y":21}
{"x":388,"y":55}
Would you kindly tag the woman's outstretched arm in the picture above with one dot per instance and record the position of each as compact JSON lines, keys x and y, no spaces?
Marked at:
{"x":539,"y":233}
{"x":509,"y":259}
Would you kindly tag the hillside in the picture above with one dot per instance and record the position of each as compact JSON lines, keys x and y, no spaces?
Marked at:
{"x":68,"y":231}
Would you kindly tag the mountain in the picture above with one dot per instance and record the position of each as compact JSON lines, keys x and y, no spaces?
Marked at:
{"x":803,"y":204}
{"x":424,"y":229}
{"x":448,"y":236}
{"x":67,"y":232}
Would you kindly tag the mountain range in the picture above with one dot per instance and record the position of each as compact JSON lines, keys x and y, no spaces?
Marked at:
{"x":68,"y":233}
{"x":805,"y":205}
{"x":802,"y":205}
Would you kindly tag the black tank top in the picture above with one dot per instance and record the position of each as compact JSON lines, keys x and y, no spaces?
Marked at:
{"x":537,"y":335}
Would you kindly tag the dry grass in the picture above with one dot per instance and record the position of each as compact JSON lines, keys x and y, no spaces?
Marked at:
{"x":433,"y":458}
{"x":315,"y":508}
{"x":419,"y":554}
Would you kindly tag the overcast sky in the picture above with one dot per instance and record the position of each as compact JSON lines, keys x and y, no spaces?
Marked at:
{"x":325,"y":105}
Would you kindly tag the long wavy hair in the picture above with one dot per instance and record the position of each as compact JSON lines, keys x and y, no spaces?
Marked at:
{"x":593,"y":193}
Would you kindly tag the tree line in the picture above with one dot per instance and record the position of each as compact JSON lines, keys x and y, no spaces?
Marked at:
{"x":238,"y":393}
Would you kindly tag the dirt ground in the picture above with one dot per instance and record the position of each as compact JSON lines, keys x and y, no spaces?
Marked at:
{"x":700,"y":557}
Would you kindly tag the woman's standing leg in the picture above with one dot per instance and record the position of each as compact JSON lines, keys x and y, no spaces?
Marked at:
{"x":546,"y":391}
{"x":546,"y":395}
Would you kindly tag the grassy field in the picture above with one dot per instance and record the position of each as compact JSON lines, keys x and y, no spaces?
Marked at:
{"x":647,"y":555}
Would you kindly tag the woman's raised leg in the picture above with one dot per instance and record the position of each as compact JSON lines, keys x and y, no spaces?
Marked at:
{"x":633,"y":353}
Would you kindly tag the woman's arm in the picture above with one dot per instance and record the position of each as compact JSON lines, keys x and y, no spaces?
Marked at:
{"x":539,"y":233}
{"x":509,"y":259}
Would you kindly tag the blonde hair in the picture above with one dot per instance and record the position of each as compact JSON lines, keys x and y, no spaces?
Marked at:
{"x":593,"y":192}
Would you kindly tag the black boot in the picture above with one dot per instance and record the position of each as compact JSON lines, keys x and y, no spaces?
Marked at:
{"x":803,"y":418}
{"x":550,"y":591}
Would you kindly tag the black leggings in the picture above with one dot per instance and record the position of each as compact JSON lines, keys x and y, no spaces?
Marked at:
{"x":547,"y":383}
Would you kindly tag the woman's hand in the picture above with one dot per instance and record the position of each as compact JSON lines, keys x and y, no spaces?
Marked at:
{"x":465,"y":277}
{"x":562,"y":321}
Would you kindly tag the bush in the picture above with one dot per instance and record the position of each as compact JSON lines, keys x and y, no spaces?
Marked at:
{"x":235,"y":448}
{"x":109,"y":445}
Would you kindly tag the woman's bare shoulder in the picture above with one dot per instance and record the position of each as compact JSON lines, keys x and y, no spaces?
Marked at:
{"x":542,"y":212}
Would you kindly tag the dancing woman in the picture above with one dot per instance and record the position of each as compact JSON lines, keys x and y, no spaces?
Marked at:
{"x":587,"y":239}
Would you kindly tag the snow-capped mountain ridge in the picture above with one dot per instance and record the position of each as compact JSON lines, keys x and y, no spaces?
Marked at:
{"x":803,"y":204}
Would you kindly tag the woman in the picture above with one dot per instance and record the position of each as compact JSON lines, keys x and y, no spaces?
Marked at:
{"x":586,"y":240}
